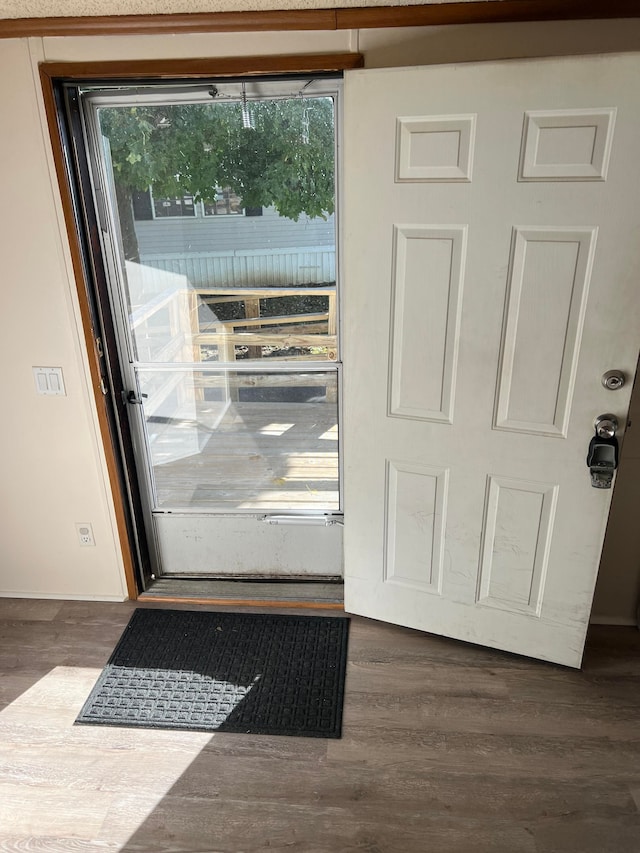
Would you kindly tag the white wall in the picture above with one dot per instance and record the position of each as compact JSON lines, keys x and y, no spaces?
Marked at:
{"x":53,"y":467}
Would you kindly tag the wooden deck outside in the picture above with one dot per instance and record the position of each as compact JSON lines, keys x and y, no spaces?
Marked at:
{"x":209,"y":448}
{"x":262,"y":456}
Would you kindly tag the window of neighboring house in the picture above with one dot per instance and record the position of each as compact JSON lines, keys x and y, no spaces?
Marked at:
{"x":226,"y":203}
{"x":146,"y":206}
{"x":165,"y":207}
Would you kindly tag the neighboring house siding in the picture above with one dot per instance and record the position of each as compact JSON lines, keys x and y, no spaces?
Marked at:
{"x":255,"y":268}
{"x":231,"y":233}
{"x":235,"y":251}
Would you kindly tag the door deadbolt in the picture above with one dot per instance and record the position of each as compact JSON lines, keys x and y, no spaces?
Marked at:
{"x":613,"y":380}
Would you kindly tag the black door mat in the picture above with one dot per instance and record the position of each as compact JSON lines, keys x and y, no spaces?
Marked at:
{"x":228,"y":672}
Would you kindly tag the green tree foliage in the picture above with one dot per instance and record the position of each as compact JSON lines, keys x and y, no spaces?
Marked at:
{"x":286,"y":159}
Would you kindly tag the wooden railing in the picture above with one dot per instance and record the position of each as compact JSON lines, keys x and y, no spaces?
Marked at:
{"x":183,"y":336}
{"x":179,"y":336}
{"x":315,"y":330}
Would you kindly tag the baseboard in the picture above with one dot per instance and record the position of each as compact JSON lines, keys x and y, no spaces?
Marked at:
{"x":44,"y":596}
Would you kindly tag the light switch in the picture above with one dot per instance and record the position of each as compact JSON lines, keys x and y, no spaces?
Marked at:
{"x":49,"y":380}
{"x":41,"y":383}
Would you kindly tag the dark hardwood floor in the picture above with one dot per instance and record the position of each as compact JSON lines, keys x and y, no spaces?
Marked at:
{"x":447,"y":748}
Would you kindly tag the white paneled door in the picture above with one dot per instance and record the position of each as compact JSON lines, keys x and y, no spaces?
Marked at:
{"x":492,"y":252}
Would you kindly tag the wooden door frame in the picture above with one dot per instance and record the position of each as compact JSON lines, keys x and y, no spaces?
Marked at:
{"x":54,"y":74}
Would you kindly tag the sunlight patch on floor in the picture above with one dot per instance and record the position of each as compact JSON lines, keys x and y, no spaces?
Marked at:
{"x":63,"y":781}
{"x":330,"y":434}
{"x":275,"y":429}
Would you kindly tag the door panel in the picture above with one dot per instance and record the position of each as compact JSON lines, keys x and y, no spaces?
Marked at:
{"x":547,"y":291}
{"x":432,"y":344}
{"x":491,"y":265}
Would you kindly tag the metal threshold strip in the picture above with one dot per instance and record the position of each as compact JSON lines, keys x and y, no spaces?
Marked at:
{"x":321,"y":594}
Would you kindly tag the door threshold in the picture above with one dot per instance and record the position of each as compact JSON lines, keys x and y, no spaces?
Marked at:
{"x":247,"y":593}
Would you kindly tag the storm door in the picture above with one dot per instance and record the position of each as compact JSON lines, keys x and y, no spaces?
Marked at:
{"x":218,"y":226}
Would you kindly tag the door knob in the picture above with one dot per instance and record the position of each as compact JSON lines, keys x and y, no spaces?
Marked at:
{"x":606,"y":426}
{"x":602,"y":456}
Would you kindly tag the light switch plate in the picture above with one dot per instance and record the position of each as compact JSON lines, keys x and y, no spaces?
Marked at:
{"x":49,"y":380}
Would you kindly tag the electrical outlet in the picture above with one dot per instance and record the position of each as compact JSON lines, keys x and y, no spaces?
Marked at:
{"x":85,"y":533}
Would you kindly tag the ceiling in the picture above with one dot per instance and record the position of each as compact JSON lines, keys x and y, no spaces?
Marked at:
{"x":72,"y":8}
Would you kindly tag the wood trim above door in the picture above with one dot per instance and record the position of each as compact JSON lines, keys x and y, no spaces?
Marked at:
{"x":437,"y":14}
{"x":426,"y":14}
{"x":163,"y":69}
{"x":190,"y":22}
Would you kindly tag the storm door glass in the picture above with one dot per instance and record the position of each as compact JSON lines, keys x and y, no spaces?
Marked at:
{"x":222,"y":217}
